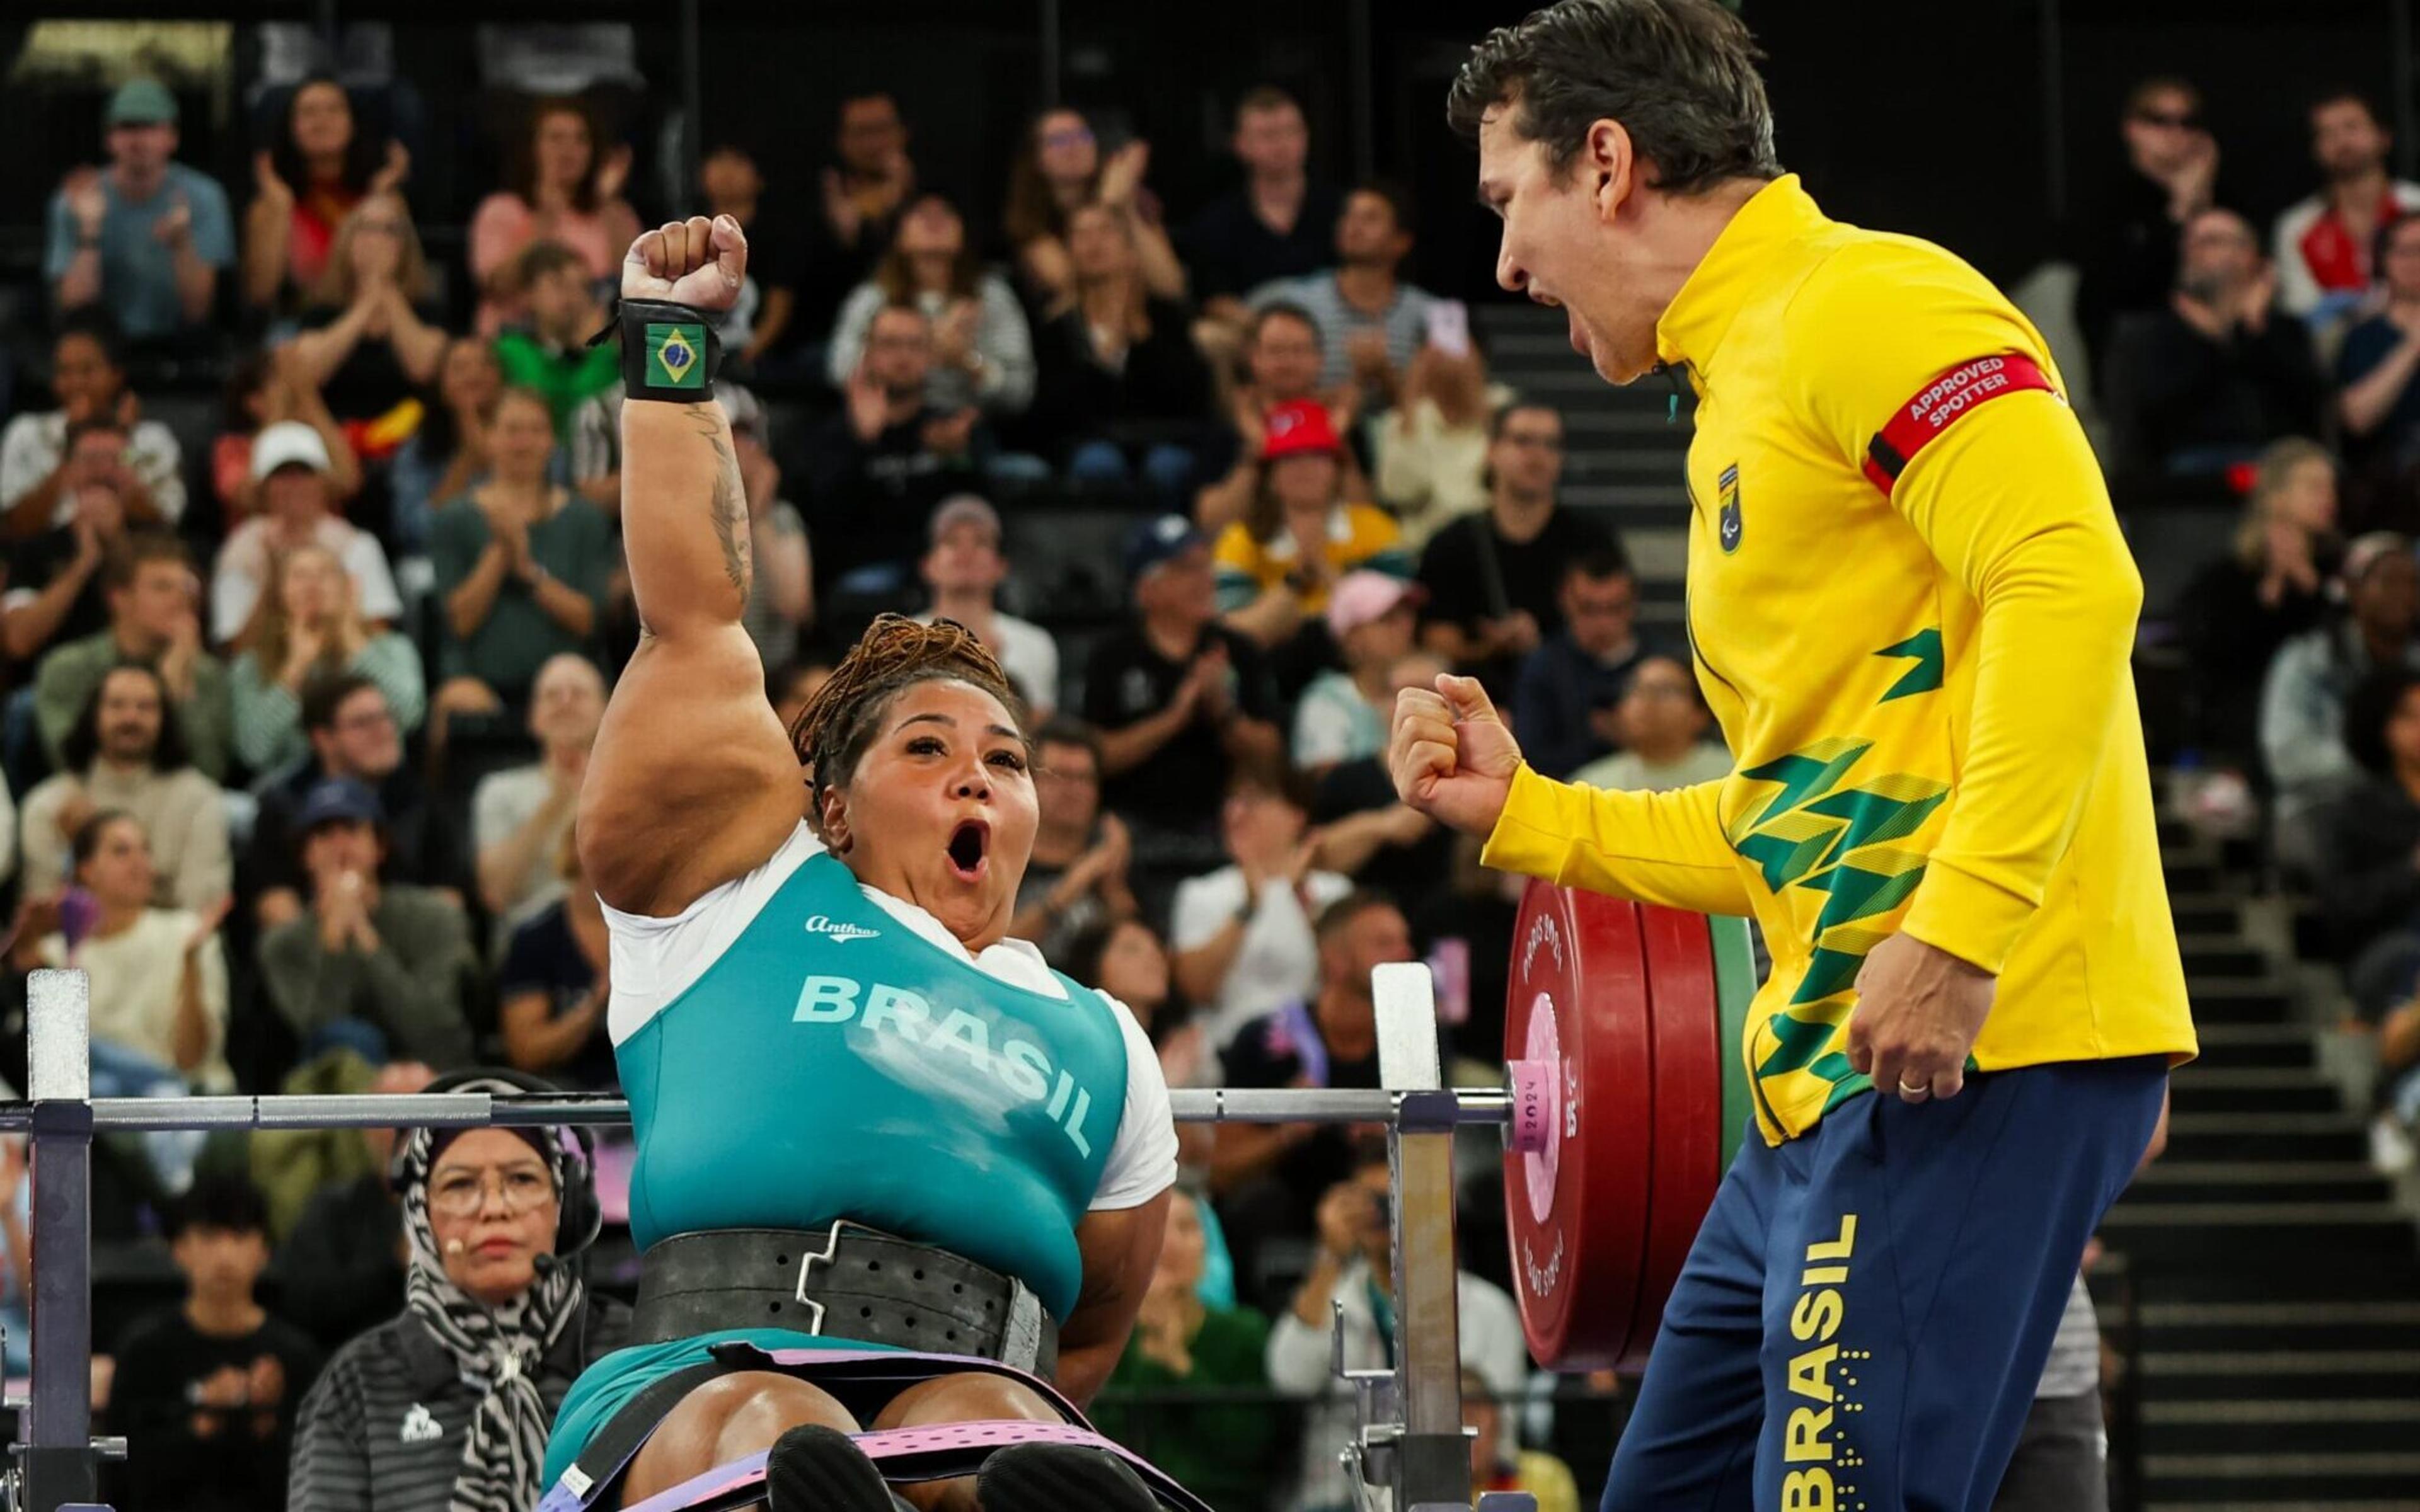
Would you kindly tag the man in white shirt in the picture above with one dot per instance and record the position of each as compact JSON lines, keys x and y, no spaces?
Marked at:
{"x":519,"y":817}
{"x":1243,"y":935}
{"x":289,"y":462}
{"x":964,"y":568}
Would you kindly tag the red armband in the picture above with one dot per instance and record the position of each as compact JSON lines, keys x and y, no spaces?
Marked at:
{"x":1939,"y":405}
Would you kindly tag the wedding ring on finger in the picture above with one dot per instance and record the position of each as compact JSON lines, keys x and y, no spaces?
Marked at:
{"x":1915,"y":1094}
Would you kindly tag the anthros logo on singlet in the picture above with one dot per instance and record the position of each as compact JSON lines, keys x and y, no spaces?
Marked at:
{"x":820,"y":925}
{"x":1021,"y":1068}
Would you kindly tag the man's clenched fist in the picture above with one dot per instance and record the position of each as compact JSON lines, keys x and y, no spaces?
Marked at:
{"x":1450,"y":754}
{"x":696,"y":262}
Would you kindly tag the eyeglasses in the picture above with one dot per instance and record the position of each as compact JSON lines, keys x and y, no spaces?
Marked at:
{"x":460,"y":1193}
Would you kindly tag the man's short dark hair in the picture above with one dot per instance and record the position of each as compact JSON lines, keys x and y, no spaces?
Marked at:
{"x":221,"y":1201}
{"x":2369,"y":710}
{"x":1286,"y":310}
{"x":1339,"y":916}
{"x":82,"y":746}
{"x":1399,"y":199}
{"x":1680,"y":75}
{"x":2138,"y":99}
{"x":2347,"y":95}
{"x":133,"y":551}
{"x":1063,"y":731}
{"x":1496,"y":422}
{"x":543,"y":259}
{"x":1598,"y":563}
{"x":1279,"y":781}
{"x":323,"y":696}
{"x":1265,"y":97}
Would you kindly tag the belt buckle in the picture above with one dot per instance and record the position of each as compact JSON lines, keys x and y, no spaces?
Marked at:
{"x":1020,"y":1334}
{"x":806,"y":1266}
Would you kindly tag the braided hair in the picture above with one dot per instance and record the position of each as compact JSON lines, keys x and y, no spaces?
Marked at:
{"x":833,"y":731}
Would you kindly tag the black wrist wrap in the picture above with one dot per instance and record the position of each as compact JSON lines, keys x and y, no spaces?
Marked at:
{"x":668,"y":351}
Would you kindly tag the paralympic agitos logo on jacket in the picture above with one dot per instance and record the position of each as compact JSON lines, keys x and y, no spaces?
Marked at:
{"x":1019,"y":1067}
{"x":1726,"y":521}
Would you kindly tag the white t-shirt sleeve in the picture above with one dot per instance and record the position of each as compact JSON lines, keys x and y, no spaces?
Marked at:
{"x":161,"y":462}
{"x":1202,"y":906}
{"x":236,"y":577}
{"x":366,"y":563}
{"x":25,"y":461}
{"x":1142,"y":1159}
{"x":1322,"y":731}
{"x":653,"y":960}
{"x":1042,"y":669}
{"x":496,"y":809}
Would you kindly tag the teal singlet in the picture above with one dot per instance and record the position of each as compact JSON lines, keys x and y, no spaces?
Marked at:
{"x":832,"y":1063}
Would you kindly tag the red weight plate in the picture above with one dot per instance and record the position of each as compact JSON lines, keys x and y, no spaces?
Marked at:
{"x":1578,"y":1211}
{"x":1687,"y":1159}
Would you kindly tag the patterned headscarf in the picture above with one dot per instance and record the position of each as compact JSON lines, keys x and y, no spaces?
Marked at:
{"x":500,"y":1348}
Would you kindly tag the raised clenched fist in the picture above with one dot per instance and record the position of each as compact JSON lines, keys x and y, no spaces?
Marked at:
{"x":1450,"y":754}
{"x":696,"y":262}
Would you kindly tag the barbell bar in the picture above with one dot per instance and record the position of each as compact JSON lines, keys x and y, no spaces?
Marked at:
{"x":1442,"y":1108}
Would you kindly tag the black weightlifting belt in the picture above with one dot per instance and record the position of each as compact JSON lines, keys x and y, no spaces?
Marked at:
{"x":848,"y":1282}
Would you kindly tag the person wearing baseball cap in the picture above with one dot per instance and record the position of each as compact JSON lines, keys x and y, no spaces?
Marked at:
{"x":964,"y":568}
{"x":1277,"y":564}
{"x":293,"y":494}
{"x":1179,"y":699}
{"x":369,"y":964}
{"x":146,"y":237}
{"x":1342,"y":714}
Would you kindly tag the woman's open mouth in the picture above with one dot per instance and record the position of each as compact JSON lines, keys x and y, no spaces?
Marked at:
{"x":970,"y":850}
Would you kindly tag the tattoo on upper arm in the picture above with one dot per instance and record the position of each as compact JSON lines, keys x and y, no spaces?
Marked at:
{"x":729,"y":507}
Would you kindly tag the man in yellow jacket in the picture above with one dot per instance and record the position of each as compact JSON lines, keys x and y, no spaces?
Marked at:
{"x":1911,"y":611}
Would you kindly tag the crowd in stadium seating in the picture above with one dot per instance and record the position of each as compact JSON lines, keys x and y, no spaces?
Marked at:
{"x":303,"y":697}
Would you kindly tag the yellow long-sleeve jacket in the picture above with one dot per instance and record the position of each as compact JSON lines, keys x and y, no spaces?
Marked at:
{"x":1911,"y":609}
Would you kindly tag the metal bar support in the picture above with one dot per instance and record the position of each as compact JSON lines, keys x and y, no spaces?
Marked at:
{"x":1432,"y":1457}
{"x":58,"y":1464}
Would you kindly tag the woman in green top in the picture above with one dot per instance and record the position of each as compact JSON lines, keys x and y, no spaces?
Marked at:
{"x":312,"y":626}
{"x":521,"y":567}
{"x":1218,"y":1450}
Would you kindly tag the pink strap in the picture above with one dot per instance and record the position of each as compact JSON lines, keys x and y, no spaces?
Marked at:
{"x":960,"y":1446}
{"x":979,"y":1434}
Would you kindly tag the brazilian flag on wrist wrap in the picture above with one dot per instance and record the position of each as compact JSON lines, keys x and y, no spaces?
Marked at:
{"x":668,"y":351}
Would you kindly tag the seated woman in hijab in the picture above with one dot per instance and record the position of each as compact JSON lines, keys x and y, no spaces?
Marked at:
{"x":446,"y":1407}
